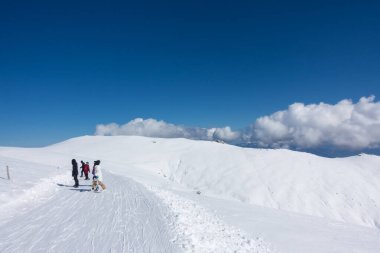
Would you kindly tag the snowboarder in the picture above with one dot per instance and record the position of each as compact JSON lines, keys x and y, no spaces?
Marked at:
{"x":82,"y":167}
{"x":75,"y":172}
{"x":86,"y":170}
{"x":98,"y":177}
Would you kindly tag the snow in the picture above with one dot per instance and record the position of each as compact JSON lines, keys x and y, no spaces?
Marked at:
{"x":191,"y":221}
{"x":249,"y":200}
{"x":78,"y":220}
{"x":345,"y":189}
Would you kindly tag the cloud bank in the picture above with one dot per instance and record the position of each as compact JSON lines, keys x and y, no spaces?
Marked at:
{"x":159,"y":128}
{"x":345,"y":125}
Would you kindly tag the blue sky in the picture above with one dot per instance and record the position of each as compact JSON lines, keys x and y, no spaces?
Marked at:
{"x":67,"y":66}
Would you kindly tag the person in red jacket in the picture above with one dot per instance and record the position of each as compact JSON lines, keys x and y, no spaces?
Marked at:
{"x":86,"y":170}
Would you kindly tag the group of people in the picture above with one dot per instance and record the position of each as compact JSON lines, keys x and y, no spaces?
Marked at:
{"x":97,"y":178}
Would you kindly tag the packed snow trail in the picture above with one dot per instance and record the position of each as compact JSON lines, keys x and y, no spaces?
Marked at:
{"x":124,"y":218}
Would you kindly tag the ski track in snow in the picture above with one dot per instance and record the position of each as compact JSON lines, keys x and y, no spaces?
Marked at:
{"x":124,"y":218}
{"x":53,"y":216}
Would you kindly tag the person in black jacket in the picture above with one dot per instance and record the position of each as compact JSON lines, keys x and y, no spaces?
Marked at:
{"x":75,"y":172}
{"x":82,"y":168}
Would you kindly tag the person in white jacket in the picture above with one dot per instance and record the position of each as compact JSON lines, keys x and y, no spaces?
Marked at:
{"x":98,"y":176}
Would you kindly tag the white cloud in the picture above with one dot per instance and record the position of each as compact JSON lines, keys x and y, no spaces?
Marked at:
{"x":344,"y":125}
{"x":148,"y":127}
{"x":225,"y":134}
{"x":159,"y":128}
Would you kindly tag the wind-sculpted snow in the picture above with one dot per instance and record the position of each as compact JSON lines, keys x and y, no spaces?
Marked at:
{"x":199,"y":231}
{"x":28,"y":198}
{"x":26,"y":186}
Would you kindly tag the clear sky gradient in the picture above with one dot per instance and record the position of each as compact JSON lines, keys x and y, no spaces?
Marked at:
{"x":67,"y":66}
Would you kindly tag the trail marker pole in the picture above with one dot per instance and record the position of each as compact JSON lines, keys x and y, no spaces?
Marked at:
{"x":9,"y":177}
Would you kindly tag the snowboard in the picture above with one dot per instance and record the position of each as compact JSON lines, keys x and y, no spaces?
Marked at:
{"x":97,"y":187}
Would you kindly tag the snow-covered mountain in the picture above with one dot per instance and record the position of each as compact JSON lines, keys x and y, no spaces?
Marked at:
{"x":345,"y":189}
{"x":242,"y":193}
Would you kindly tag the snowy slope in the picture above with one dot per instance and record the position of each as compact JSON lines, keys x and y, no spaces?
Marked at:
{"x":44,"y":213}
{"x":151,"y":204}
{"x":345,"y":189}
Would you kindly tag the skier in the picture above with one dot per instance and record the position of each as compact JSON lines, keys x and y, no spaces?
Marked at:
{"x":75,"y":172}
{"x":86,"y":170}
{"x":82,"y":167}
{"x":98,"y":177}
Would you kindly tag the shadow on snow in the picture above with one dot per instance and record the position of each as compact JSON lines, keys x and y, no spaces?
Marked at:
{"x":81,"y":190}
